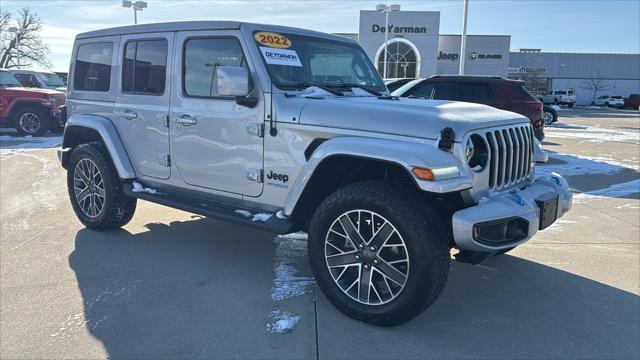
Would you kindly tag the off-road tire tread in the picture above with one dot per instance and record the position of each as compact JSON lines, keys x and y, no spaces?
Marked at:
{"x":420,"y":219}
{"x":121,"y":208}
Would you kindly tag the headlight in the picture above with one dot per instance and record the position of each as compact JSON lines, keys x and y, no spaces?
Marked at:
{"x":477,"y":152}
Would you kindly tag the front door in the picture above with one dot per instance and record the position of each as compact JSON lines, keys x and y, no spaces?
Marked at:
{"x":142,"y":102}
{"x":210,"y":143}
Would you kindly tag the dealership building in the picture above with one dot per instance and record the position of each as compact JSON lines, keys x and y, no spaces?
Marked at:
{"x":415,"y":48}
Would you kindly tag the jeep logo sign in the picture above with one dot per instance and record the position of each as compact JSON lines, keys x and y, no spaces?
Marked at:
{"x":399,"y":29}
{"x":448,"y":56}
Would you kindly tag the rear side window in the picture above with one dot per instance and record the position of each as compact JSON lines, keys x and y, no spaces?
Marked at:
{"x":433,"y":90}
{"x":144,"y":67}
{"x":93,"y":67}
{"x":475,"y":92}
{"x":201,"y":57}
{"x":514,"y":92}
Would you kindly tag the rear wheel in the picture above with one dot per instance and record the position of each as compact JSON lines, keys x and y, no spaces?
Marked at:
{"x":379,"y":253}
{"x":95,"y":190}
{"x":556,"y":102}
{"x":31,"y":121}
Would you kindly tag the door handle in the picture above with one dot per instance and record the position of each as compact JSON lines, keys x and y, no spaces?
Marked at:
{"x":186,"y":120}
{"x":128,"y":114}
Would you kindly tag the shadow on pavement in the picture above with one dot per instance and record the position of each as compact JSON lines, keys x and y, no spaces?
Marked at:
{"x":193,"y":289}
{"x":507,"y":307}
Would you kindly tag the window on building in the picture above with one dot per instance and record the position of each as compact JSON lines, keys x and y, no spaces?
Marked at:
{"x":93,"y":67}
{"x":144,"y":67}
{"x":401,"y":60}
{"x":201,"y":57}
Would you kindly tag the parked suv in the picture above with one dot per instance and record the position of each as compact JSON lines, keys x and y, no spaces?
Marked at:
{"x":39,"y":79}
{"x":633,"y":101}
{"x":510,"y":95}
{"x":610,"y":101}
{"x":30,"y":111}
{"x":560,"y":97}
{"x":285,"y":129}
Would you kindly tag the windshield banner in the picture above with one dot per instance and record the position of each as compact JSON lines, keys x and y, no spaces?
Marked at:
{"x":280,"y":57}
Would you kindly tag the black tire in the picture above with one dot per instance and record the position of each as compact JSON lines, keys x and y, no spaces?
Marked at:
{"x":426,"y":240}
{"x":549,"y":117}
{"x":606,"y":104}
{"x":556,"y":102}
{"x":117,"y":208}
{"x":31,"y":121}
{"x":570,"y":105}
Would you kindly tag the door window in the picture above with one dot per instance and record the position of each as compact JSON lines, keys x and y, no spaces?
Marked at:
{"x":144,"y":67}
{"x":433,"y":90}
{"x":201,"y":57}
{"x":93,"y":67}
{"x":474,"y":92}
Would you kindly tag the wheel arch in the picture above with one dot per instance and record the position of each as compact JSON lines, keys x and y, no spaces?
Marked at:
{"x":341,"y":161}
{"x":82,"y":129}
{"x":25,"y":104}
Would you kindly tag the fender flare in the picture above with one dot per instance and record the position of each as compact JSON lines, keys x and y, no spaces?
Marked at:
{"x":402,"y":153}
{"x":109,"y":135}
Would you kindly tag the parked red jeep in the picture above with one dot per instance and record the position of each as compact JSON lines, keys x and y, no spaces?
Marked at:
{"x":633,"y":101}
{"x":30,"y":111}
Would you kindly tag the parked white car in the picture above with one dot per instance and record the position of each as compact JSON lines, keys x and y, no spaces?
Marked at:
{"x":560,"y":97}
{"x":610,"y":101}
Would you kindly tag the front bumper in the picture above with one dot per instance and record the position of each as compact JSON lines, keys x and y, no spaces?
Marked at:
{"x":517,"y":207}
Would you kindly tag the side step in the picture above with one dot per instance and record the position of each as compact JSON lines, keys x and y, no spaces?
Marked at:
{"x":216,"y":210}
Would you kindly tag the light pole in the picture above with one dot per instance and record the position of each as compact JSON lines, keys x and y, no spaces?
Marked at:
{"x":386,"y":10}
{"x":18,"y":32}
{"x":463,"y":42}
{"x":137,"y":6}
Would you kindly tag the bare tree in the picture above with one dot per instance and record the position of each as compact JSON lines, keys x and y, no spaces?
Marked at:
{"x":26,"y":44}
{"x":595,"y":84}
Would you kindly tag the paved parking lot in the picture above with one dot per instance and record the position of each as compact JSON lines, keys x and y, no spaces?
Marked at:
{"x":175,"y":285}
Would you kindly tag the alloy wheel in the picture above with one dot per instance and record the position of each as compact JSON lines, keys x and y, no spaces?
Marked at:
{"x":88,"y":186}
{"x":30,"y":123}
{"x":548,"y":117}
{"x":367,"y":257}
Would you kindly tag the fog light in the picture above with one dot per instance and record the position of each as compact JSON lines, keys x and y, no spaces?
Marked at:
{"x":501,"y":231}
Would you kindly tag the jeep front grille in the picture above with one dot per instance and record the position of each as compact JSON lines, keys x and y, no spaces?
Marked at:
{"x":511,"y":152}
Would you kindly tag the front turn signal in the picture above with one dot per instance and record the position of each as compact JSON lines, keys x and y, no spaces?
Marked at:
{"x":424,"y":173}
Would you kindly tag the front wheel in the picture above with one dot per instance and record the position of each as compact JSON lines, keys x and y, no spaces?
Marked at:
{"x":556,"y":102}
{"x":31,"y":121}
{"x":378,"y":252}
{"x":549,"y":117}
{"x":95,"y":190}
{"x":570,"y":105}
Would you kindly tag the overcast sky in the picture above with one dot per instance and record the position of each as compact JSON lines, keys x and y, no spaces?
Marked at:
{"x":556,"y":25}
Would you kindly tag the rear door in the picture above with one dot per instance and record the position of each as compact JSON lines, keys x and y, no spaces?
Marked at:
{"x":143,"y":99}
{"x":213,"y":144}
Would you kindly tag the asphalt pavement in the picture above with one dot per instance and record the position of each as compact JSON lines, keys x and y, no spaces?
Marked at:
{"x":175,"y":285}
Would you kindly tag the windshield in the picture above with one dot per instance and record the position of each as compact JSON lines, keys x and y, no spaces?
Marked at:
{"x":296,"y":61}
{"x":51,"y":80}
{"x":7,"y":79}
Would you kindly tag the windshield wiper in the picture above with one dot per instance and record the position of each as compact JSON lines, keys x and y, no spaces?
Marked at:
{"x":356,"y":85}
{"x":306,"y":85}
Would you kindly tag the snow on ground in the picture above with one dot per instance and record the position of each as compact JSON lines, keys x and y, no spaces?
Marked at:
{"x":290,"y":249}
{"x":283,"y":321}
{"x":576,"y":165}
{"x":12,"y":144}
{"x":616,"y":191}
{"x":591,"y":133}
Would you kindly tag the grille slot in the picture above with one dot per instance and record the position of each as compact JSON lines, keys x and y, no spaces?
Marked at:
{"x":510,"y":154}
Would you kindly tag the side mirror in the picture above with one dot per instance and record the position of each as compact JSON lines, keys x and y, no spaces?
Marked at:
{"x":232,"y":81}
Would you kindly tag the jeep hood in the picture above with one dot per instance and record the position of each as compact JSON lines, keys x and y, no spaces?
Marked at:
{"x":406,"y":117}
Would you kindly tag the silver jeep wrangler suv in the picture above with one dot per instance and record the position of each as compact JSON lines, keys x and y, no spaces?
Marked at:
{"x":285,"y":130}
